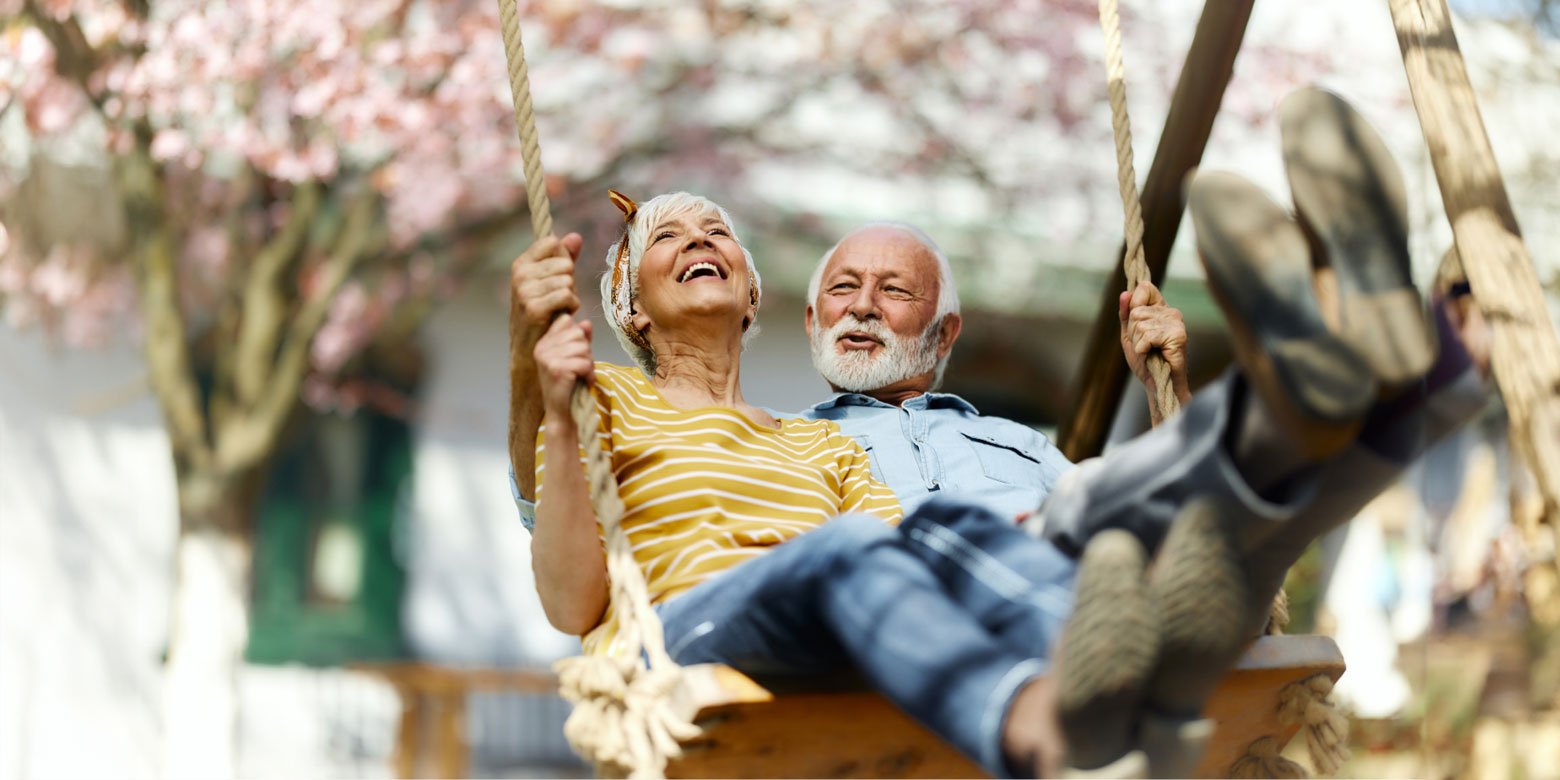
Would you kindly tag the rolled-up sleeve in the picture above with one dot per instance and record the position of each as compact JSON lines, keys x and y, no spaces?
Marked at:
{"x":527,"y":508}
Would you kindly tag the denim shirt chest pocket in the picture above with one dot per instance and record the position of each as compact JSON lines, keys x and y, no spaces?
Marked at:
{"x":872,"y":457}
{"x":1006,"y":462}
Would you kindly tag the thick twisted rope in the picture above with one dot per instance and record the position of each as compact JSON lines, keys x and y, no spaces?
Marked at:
{"x":1133,"y":262}
{"x":1278,"y":614}
{"x":525,"y":120}
{"x":622,"y":720}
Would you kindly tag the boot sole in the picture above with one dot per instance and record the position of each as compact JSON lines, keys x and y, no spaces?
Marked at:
{"x":1350,"y":198}
{"x":1107,"y":651}
{"x":1259,"y":273}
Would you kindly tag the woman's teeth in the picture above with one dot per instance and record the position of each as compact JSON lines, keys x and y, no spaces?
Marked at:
{"x":695,"y":268}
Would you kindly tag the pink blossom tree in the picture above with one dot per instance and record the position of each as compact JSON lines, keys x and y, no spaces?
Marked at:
{"x":258,"y":189}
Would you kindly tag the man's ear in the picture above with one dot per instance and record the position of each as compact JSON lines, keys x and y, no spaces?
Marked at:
{"x":947,"y":333}
{"x":807,"y":320}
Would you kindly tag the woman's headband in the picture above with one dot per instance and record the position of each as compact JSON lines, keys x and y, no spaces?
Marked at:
{"x":629,"y":208}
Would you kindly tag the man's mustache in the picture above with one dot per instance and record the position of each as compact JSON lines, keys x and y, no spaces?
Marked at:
{"x":874,"y":328}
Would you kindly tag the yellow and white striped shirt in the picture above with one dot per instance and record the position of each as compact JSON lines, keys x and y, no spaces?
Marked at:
{"x":707,"y":489}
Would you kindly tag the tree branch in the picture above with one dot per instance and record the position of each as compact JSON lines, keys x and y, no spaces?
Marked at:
{"x":247,"y":439}
{"x":265,"y":306}
{"x":74,"y":57}
{"x":167,"y":351}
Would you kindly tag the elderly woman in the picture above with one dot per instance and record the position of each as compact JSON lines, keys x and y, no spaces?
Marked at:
{"x":768,"y":545}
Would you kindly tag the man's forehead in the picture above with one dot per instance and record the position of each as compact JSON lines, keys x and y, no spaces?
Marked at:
{"x":885,"y":250}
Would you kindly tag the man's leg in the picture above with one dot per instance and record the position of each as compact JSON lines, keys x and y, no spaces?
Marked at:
{"x":1141,"y":485}
{"x":849,"y":593}
{"x":1394,"y":436}
{"x":1291,"y":420}
{"x":1161,"y":641}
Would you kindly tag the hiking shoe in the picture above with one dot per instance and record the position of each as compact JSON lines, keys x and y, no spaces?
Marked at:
{"x":1350,"y":200}
{"x":1259,"y":272}
{"x":1198,"y":589}
{"x":1106,"y":652}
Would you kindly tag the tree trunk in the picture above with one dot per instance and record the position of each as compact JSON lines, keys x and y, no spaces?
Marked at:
{"x":208,"y":632}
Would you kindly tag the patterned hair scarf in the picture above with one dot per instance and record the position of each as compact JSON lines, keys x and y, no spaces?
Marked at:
{"x":620,"y":307}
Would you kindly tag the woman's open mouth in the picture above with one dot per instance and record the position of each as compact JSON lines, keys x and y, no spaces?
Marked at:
{"x":700,"y":270}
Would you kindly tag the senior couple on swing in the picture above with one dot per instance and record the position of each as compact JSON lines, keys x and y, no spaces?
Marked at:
{"x":1040,"y":616}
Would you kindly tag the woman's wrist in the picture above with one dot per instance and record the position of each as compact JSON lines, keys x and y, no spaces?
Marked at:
{"x":559,"y":422}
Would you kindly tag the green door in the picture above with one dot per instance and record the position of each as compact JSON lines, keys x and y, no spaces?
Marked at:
{"x":327,"y":577}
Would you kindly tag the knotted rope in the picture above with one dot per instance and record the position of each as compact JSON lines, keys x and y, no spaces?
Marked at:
{"x":1262,"y":761}
{"x":1133,"y":262}
{"x":1302,"y":704}
{"x":622,"y":721}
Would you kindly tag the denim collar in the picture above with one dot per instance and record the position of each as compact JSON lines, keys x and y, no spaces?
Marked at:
{"x":922,"y":401}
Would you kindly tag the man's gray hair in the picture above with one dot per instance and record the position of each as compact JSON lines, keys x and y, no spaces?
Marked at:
{"x":617,"y":305}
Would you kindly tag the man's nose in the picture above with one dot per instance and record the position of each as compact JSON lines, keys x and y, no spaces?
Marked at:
{"x":864,"y":303}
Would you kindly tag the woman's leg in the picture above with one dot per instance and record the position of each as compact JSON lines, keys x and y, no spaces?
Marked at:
{"x":850,"y":591}
{"x":1018,"y":587}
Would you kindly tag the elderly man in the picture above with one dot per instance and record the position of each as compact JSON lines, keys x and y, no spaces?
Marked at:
{"x":882,"y":318}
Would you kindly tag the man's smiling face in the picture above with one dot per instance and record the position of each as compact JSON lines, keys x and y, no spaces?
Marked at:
{"x":873,"y":322}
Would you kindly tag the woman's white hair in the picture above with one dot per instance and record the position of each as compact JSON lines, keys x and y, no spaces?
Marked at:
{"x":618,"y":304}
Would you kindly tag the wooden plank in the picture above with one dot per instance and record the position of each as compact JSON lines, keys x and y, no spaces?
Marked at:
{"x":433,"y":678}
{"x":1526,"y":353}
{"x":840,"y":728}
{"x":434,"y":697}
{"x":853,"y":734}
{"x":453,"y":748}
{"x":408,"y":734}
{"x":1200,"y":88}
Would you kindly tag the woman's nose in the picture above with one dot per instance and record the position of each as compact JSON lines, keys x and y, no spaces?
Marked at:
{"x":698,"y":237}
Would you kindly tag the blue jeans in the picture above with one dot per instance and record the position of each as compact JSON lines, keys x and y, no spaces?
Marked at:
{"x":948,"y":615}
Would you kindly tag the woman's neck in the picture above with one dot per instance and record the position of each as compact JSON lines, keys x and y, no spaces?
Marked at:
{"x":695,"y":372}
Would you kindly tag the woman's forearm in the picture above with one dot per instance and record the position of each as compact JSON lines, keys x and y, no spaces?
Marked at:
{"x":566,"y":554}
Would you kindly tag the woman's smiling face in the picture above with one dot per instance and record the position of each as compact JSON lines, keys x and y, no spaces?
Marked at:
{"x":692,"y":270}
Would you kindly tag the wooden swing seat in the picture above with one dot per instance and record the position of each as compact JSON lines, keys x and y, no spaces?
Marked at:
{"x":830,"y":728}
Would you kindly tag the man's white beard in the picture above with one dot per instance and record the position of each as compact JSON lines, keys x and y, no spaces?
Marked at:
{"x":863,"y":371}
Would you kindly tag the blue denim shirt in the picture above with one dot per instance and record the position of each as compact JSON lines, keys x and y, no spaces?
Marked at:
{"x":937,"y":444}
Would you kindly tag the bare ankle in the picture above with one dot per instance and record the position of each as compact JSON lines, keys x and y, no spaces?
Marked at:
{"x":1032,"y":736}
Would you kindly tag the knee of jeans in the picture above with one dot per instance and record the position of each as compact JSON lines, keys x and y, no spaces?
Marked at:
{"x":848,"y":535}
{"x":952,"y":513}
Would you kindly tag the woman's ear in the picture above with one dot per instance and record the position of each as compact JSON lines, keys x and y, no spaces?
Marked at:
{"x":636,"y":318}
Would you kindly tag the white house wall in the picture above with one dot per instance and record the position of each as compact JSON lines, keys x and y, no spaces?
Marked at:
{"x":87,"y":522}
